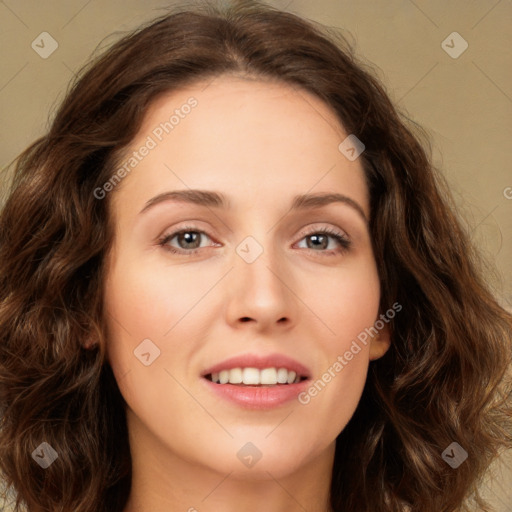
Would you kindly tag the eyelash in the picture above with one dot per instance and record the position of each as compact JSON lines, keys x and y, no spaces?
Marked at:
{"x":343,"y":241}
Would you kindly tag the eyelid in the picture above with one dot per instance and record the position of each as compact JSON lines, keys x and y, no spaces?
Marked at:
{"x":316,"y":229}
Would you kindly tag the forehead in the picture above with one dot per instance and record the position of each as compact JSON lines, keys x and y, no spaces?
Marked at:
{"x":266,"y":138}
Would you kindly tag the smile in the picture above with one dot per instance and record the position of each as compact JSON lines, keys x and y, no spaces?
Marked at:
{"x":255,"y":376}
{"x":257,"y":381}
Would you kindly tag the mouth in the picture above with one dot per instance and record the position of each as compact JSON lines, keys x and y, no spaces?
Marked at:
{"x":258,"y":382}
{"x":256,"y":377}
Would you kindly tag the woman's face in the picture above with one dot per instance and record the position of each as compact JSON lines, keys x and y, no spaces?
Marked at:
{"x":254,"y":279}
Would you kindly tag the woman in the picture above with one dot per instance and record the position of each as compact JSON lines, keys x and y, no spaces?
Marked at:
{"x":231,"y":278}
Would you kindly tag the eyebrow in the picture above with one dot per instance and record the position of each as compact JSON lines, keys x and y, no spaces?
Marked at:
{"x":218,"y":200}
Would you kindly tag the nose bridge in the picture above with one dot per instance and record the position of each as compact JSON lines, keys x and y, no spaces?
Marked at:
{"x":260,"y":262}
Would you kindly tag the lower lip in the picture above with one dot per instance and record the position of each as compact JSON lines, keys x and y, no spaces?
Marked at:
{"x":258,"y":397}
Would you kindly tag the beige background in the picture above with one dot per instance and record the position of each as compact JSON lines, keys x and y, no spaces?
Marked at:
{"x":465,"y":103}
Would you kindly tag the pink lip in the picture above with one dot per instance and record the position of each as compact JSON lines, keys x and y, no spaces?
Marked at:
{"x":258,"y":397}
{"x":260,"y":362}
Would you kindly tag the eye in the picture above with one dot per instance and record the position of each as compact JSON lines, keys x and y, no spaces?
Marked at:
{"x":318,"y":241}
{"x":188,"y":240}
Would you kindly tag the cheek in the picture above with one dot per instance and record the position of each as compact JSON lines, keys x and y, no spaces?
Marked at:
{"x":167,"y":305}
{"x":333,"y":398}
{"x":347,"y":302}
{"x":347,"y":306}
{"x":147,"y":303}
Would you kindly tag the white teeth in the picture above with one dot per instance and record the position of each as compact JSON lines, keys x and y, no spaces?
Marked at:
{"x":282,"y":375}
{"x":235,"y":376}
{"x":268,"y":376}
{"x":251,"y":376}
{"x":254,"y":376}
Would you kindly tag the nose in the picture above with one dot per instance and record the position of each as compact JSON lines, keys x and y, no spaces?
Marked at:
{"x":261,"y":292}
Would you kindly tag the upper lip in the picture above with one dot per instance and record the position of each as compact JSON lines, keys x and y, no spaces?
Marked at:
{"x":260,"y":362}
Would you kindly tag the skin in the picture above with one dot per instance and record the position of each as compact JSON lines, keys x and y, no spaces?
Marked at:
{"x":260,"y":144}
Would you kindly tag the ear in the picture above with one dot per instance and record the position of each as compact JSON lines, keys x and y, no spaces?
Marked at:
{"x":89,"y":343}
{"x":380,"y":343}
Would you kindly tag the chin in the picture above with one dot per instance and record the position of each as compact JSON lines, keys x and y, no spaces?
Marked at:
{"x":255,"y":460}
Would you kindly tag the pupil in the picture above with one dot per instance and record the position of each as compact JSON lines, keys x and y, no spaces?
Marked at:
{"x":190,"y":237}
{"x":316,"y":238}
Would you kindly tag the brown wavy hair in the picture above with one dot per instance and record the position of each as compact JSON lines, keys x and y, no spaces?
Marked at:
{"x":444,"y":379}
